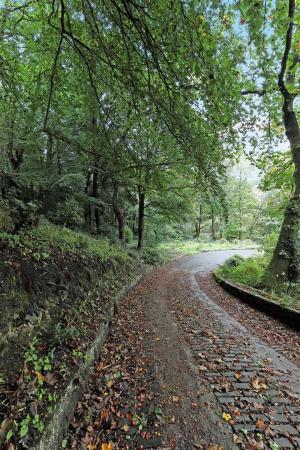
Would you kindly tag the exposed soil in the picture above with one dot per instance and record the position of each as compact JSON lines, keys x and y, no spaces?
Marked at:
{"x":51,"y":311}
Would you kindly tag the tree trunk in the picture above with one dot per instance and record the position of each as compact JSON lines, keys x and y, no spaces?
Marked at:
{"x":199,"y":223}
{"x":213,"y":235}
{"x":95,"y":195}
{"x":285,"y":263}
{"x":141,"y":217}
{"x":50,"y":151}
{"x":118,"y":212}
{"x":88,"y":209}
{"x":240,"y":207}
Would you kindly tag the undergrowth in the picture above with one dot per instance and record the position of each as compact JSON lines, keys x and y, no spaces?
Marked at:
{"x":46,"y":237}
{"x":249,"y":271}
{"x":194,"y":246}
{"x":252,"y":272}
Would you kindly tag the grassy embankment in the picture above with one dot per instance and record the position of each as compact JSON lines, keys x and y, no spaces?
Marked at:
{"x":252,"y":272}
{"x":56,"y":287}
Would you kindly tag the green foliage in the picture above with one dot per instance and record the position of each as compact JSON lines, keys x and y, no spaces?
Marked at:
{"x":128,"y":235}
{"x":234,"y":261}
{"x":248,"y":271}
{"x":39,"y":362}
{"x":152,"y":256}
{"x":195,"y":246}
{"x":268,"y":244}
{"x":68,"y":213}
{"x":6,"y":223}
{"x":48,"y":236}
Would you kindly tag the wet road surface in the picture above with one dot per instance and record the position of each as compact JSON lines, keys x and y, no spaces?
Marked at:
{"x":213,"y":382}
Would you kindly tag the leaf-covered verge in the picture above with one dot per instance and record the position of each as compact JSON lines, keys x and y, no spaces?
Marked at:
{"x":56,"y":287}
{"x":251,"y":272}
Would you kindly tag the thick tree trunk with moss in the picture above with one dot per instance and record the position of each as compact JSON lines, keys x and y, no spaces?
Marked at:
{"x":285,"y":264}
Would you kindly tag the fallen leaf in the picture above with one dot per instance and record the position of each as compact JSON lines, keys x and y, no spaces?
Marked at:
{"x":237,"y":375}
{"x":41,"y":378}
{"x":107,"y":446}
{"x":175,"y":399}
{"x":91,"y":446}
{"x":258,"y":385}
{"x":237,"y":439}
{"x":260,"y":424}
{"x":226,"y":416}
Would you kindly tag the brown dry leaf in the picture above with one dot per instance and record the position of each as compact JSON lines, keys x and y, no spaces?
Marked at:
{"x":194,"y":405}
{"x":216,"y":447}
{"x":258,"y":384}
{"x":104,"y":417}
{"x":260,"y":424}
{"x":258,"y":405}
{"x":175,"y":399}
{"x":237,"y":375}
{"x":237,"y":439}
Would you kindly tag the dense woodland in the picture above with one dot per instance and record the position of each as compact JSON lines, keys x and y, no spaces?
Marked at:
{"x":132,"y":131}
{"x":122,"y":119}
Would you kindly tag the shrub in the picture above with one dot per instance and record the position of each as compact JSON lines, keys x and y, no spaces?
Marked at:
{"x":269,"y":242}
{"x":128,"y":235}
{"x":249,"y":271}
{"x":234,"y":261}
{"x":68,"y":213}
{"x":152,"y":256}
{"x":6,"y":222}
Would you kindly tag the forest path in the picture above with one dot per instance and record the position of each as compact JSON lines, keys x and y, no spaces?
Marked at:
{"x":179,"y":371}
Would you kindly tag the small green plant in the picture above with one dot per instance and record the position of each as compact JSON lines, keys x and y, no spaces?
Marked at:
{"x":77,"y":353}
{"x":37,"y":423}
{"x":39,"y":362}
{"x":24,"y":426}
{"x":41,"y":394}
{"x":9,"y":435}
{"x":158,"y":412}
{"x":140,"y":421}
{"x":274,"y":446}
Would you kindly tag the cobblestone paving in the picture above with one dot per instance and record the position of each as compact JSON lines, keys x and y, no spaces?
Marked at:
{"x":255,"y":386}
{"x":258,"y":388}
